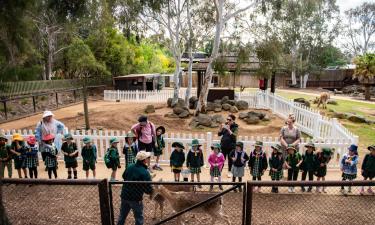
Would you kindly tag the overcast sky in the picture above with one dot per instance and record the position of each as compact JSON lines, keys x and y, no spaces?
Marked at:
{"x":347,"y":4}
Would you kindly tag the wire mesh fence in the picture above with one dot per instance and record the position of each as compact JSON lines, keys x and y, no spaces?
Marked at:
{"x":311,"y":204}
{"x":168,"y":199}
{"x":57,"y":202}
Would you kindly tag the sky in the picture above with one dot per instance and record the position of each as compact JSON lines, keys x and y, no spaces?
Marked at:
{"x":348,"y":4}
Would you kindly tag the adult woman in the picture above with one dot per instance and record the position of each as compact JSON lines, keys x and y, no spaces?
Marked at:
{"x":145,"y":132}
{"x":228,"y":133}
{"x":289,"y":135}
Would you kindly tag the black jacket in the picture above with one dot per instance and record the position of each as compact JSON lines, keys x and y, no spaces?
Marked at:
{"x":193,"y":160}
{"x":263,"y":164}
{"x":237,"y":162}
{"x":276,"y":161}
{"x":134,"y":192}
{"x":177,"y":158}
{"x":229,"y":141}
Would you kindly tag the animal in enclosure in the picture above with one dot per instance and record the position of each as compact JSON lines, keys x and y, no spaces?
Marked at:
{"x":323,"y":99}
{"x":182,"y":200}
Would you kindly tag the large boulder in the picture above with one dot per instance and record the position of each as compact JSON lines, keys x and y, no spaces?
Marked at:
{"x":214,"y":124}
{"x":169,"y":102}
{"x":193,"y":102}
{"x":260,"y":115}
{"x":252,"y":120}
{"x":339,"y":115}
{"x":171,"y":115}
{"x":357,"y":119}
{"x":233,"y":109}
{"x":226,"y":106}
{"x":150,"y":109}
{"x":224,"y":100}
{"x":217,"y":110}
{"x":210,"y":106}
{"x":217,"y":101}
{"x":204,"y":119}
{"x":231,"y":102}
{"x":184,"y":114}
{"x":242,"y":105}
{"x":178,"y":110}
{"x":218,"y":118}
{"x":217,"y":107}
{"x":266,"y":118}
{"x":243,"y":115}
{"x":180,"y":102}
{"x":332,"y":102}
{"x":302,"y":101}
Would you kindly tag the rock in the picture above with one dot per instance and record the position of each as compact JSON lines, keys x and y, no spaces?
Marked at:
{"x":169,"y":102}
{"x":150,"y":109}
{"x":332,"y":102}
{"x":214,"y":124}
{"x":193,"y":123}
{"x":339,"y":115}
{"x":226,"y":106}
{"x":242,"y":105}
{"x":180,"y":102}
{"x":184,"y":114}
{"x":171,"y":115}
{"x":193,"y":99}
{"x":260,"y":115}
{"x":217,"y":101}
{"x":80,"y":114}
{"x":231,"y":102}
{"x":224,"y":100}
{"x":177,"y":110}
{"x":266,"y":118}
{"x":357,"y":119}
{"x":243,"y":115}
{"x":302,"y":101}
{"x":210,"y":106}
{"x":217,"y":109}
{"x":218,"y":118}
{"x":233,"y":109}
{"x":193,"y":102}
{"x":204,"y":119}
{"x":370,"y":121}
{"x":252,"y":120}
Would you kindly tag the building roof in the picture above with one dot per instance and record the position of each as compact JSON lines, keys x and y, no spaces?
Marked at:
{"x":130,"y":76}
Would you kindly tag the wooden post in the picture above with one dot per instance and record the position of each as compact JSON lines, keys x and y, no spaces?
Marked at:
{"x":75,"y":95}
{"x":5,"y":109}
{"x":105,"y":211}
{"x":34,"y":104}
{"x":249,"y":202}
{"x":57,"y":100}
{"x":85,"y":106}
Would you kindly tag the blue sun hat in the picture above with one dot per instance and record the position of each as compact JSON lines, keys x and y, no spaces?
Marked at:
{"x":353,"y":148}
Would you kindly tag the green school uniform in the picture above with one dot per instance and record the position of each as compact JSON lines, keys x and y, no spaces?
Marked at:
{"x":5,"y":160}
{"x":89,"y":157}
{"x":115,"y":157}
{"x":293,"y":160}
{"x":70,"y":161}
{"x":161,"y":145}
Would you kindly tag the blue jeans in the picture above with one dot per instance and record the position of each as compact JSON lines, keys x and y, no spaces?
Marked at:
{"x":126,"y":206}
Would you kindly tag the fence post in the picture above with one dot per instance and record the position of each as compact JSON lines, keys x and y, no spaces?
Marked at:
{"x":137,"y":95}
{"x":111,"y":204}
{"x":118,"y":95}
{"x":5,"y":109}
{"x":249,"y":202}
{"x":104,"y":203}
{"x":209,"y":141}
{"x":317,"y":126}
{"x":34,"y":104}
{"x":57,"y":100}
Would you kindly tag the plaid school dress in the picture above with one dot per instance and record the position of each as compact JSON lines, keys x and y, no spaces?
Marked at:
{"x":130,"y":153}
{"x":32,"y":157}
{"x":51,"y":161}
{"x":255,"y":172}
{"x":276,"y":175}
{"x":195,"y":170}
{"x":215,"y":172}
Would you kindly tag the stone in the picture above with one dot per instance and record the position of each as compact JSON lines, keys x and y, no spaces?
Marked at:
{"x":243,"y":115}
{"x":217,"y":109}
{"x":242,"y":105}
{"x":210,"y":106}
{"x":169,"y":102}
{"x":370,"y":121}
{"x":231,"y":102}
{"x":177,"y":110}
{"x":266,"y":118}
{"x":204,"y":119}
{"x":150,"y":109}
{"x":184,"y":114}
{"x":224,"y":100}
{"x":302,"y":101}
{"x":214,"y":124}
{"x":260,"y":115}
{"x":193,"y":123}
{"x":180,"y":102}
{"x":171,"y":115}
{"x":233,"y":109}
{"x":217,"y":101}
{"x":193,"y":99}
{"x":80,"y":114}
{"x":193,"y":102}
{"x":252,"y":120}
{"x":332,"y":102}
{"x":218,"y":118}
{"x":226,"y":106}
{"x":339,"y":115}
{"x":357,"y":119}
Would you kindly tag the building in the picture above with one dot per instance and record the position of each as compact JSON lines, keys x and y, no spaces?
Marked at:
{"x":144,"y":82}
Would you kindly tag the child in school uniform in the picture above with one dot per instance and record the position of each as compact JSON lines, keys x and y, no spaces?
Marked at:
{"x":31,"y":160}
{"x":216,"y":161}
{"x":18,"y":149}
{"x":368,"y":168}
{"x":70,"y":151}
{"x":5,"y":157}
{"x":258,"y":163}
{"x":239,"y":158}
{"x":323,"y":157}
{"x":130,"y":149}
{"x":114,"y":157}
{"x":160,"y":145}
{"x":292,"y":163}
{"x":89,"y":154}
{"x":309,"y":163}
{"x":276,"y":162}
{"x":348,"y":165}
{"x":194,"y":160}
{"x":177,"y":159}
{"x":51,"y":155}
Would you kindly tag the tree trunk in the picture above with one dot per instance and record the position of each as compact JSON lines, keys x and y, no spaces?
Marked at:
{"x":301,"y":81}
{"x":294,"y":77}
{"x":367,"y":92}
{"x":273,"y":82}
{"x":305,"y":79}
{"x":176,"y":78}
{"x":190,"y":76}
{"x":85,"y":104}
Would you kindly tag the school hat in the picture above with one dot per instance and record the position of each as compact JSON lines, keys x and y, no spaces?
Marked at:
{"x":258,"y":144}
{"x":291,"y":147}
{"x":327,"y":151}
{"x":162,"y":129}
{"x":311,"y":145}
{"x":17,"y":137}
{"x":68,"y":136}
{"x":142,"y":118}
{"x":239,"y":143}
{"x":129,"y":135}
{"x":277,"y":147}
{"x":142,"y":155}
{"x":86,"y":140}
{"x":2,"y":136}
{"x":353,"y":148}
{"x":216,"y":145}
{"x":31,"y":140}
{"x":48,"y":137}
{"x":47,"y":113}
{"x":370,"y":148}
{"x":194,"y":143}
{"x":113,"y":140}
{"x":178,"y":144}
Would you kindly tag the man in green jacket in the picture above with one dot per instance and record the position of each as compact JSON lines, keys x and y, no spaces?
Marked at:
{"x":132,"y":194}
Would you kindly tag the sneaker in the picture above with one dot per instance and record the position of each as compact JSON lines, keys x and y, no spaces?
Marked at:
{"x":344,"y":192}
{"x":276,"y":190}
{"x":240,"y":189}
{"x":370,"y":191}
{"x":350,"y":190}
{"x":293,"y":191}
{"x":309,"y":189}
{"x":324,"y":190}
{"x":154,"y":167}
{"x":317,"y":189}
{"x":362,"y":192}
{"x":229,"y":175}
{"x":302,"y":189}
{"x":199,"y":186}
{"x":159,"y":168}
{"x":221,"y":187}
{"x":290,"y":190}
{"x":211,"y":188}
{"x":235,"y":190}
{"x":259,"y":191}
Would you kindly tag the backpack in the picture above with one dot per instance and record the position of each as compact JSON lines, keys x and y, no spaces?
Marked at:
{"x":107,"y":159}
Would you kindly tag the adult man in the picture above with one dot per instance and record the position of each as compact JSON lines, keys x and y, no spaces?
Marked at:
{"x":228,"y":133}
{"x":132,"y":194}
{"x":145,"y":132}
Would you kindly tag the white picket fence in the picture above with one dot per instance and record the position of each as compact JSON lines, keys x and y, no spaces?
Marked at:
{"x":101,"y":140}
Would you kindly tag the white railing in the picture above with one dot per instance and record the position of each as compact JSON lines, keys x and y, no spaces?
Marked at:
{"x":101,"y":140}
{"x":144,"y":96}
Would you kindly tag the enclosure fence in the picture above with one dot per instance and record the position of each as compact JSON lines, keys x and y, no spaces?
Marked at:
{"x":101,"y":138}
{"x":64,"y":202}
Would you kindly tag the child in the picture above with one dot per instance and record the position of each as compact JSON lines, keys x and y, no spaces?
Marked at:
{"x":51,"y":155}
{"x":368,"y":168}
{"x":70,"y":151}
{"x":5,"y":157}
{"x":276,"y":165}
{"x":31,"y":160}
{"x":177,"y":159}
{"x":258,"y":163}
{"x":89,"y":154}
{"x":160,"y":145}
{"x":239,"y":159}
{"x":216,"y":161}
{"x":292,"y":163}
{"x":308,"y":165}
{"x":114,"y":157}
{"x":194,"y":160}
{"x":130,"y":149}
{"x":18,"y":149}
{"x":323,"y":157}
{"x":348,"y":165}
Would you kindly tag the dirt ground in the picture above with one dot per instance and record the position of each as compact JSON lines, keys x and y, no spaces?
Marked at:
{"x":121,"y":116}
